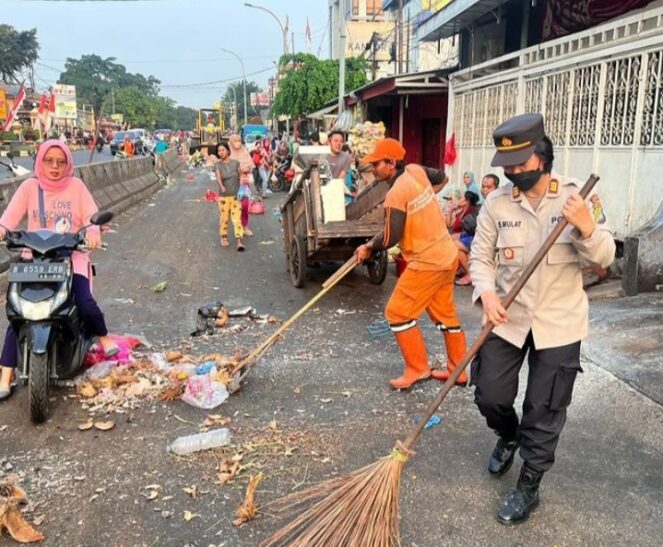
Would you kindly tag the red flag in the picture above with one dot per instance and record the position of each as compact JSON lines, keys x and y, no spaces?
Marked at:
{"x":43,"y":103}
{"x":51,"y":103}
{"x":450,"y":152}
{"x":18,"y":101}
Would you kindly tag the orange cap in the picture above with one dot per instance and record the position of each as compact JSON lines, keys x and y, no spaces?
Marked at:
{"x":386,"y":149}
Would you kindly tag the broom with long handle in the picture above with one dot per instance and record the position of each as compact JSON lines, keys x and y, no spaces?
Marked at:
{"x":361,"y":509}
{"x":339,"y":274}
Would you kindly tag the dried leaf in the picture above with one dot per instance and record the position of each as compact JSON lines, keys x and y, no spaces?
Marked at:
{"x":104,"y":426}
{"x":272,"y":319}
{"x":228,"y":470}
{"x":222,"y":318}
{"x":86,"y":390}
{"x":273,"y":425}
{"x":191,"y":490}
{"x":151,"y":495}
{"x":325,"y":401}
{"x":172,"y":393}
{"x":173,"y":356}
{"x":214,"y":420}
{"x":160,"y":287}
{"x":86,"y":426}
{"x":11,"y":519}
{"x":247,"y":511}
{"x":188,"y":515}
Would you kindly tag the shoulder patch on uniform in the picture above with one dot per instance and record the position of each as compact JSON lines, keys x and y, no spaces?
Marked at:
{"x":553,"y":187}
{"x":515,"y":192}
{"x":597,"y":209}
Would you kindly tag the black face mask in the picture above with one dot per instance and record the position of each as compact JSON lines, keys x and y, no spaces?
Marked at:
{"x":525,"y":181}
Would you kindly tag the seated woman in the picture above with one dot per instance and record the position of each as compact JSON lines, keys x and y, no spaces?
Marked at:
{"x":56,"y":200}
{"x":461,"y":222}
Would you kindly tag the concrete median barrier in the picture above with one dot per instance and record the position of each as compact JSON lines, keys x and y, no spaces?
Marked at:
{"x":115,"y":185}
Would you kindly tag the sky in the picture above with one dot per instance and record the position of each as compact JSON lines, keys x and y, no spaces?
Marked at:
{"x":178,"y":41}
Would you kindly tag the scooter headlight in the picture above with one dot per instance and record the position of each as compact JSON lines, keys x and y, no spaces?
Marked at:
{"x":35,"y":311}
{"x":60,"y":297}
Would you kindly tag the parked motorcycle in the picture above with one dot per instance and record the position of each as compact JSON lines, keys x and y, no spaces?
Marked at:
{"x":40,"y":307}
{"x":283,"y":174}
{"x":16,"y":170}
{"x":100,"y":143}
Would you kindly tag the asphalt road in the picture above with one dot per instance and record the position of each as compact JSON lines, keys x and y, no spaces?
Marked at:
{"x":325,"y":386}
{"x":81,"y":157}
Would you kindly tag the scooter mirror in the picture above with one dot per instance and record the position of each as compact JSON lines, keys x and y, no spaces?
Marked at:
{"x":102,"y":217}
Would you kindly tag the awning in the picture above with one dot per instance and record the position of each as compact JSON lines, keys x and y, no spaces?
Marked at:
{"x":456,"y":15}
{"x":414,"y":83}
{"x":327,"y":110}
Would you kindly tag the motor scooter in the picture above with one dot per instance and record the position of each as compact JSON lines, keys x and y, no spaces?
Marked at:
{"x":52,"y":339}
{"x":16,"y":170}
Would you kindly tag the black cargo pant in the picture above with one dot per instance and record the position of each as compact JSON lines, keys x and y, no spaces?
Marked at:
{"x":552,"y":373}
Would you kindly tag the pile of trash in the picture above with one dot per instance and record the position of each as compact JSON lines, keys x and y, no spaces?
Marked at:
{"x":116,"y":386}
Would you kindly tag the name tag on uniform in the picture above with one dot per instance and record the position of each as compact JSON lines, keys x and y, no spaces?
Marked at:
{"x":509,"y":253}
{"x":501,"y":224}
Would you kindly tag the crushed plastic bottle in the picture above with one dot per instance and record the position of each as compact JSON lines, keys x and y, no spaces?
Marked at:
{"x":201,"y":441}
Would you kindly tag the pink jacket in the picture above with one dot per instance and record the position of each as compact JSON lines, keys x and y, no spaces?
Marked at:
{"x":65,"y":211}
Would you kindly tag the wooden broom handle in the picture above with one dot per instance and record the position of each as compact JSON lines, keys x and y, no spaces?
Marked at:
{"x":329,"y":284}
{"x":488,"y":327}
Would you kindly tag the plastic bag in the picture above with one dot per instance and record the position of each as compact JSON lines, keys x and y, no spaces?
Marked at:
{"x":126,"y":345}
{"x":203,"y":392}
{"x":257,"y":207}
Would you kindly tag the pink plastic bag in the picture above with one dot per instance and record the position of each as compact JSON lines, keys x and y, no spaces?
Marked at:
{"x":203,"y":392}
{"x":126,"y":345}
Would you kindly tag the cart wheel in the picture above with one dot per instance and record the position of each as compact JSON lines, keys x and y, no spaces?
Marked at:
{"x":377,"y":268}
{"x":298,"y":261}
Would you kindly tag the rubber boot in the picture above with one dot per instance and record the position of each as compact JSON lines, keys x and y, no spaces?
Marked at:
{"x":413,"y":348}
{"x":523,"y":499}
{"x":456,"y":348}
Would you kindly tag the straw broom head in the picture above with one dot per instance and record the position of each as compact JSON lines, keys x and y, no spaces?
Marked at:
{"x":359,"y":509}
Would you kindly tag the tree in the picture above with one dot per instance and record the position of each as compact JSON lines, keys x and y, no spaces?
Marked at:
{"x":95,"y":78}
{"x":229,"y":98}
{"x":310,"y":83}
{"x":186,"y":118}
{"x":18,"y":50}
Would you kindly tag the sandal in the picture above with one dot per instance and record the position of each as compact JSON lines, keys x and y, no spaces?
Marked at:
{"x":248,"y":232}
{"x":6,"y":393}
{"x":240,"y":246}
{"x":110,"y":348}
{"x":224,"y":242}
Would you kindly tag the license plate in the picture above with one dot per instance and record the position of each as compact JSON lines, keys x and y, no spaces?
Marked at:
{"x":34,"y":272}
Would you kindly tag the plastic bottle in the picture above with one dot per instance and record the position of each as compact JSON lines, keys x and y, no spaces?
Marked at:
{"x":202,"y":441}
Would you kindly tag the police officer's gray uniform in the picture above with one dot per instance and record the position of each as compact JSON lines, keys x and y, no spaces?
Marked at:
{"x":549,"y":317}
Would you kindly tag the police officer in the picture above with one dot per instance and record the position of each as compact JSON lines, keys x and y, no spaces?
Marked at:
{"x":548,"y":318}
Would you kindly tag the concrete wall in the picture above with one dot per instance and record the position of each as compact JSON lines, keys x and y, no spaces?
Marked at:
{"x":116,"y":185}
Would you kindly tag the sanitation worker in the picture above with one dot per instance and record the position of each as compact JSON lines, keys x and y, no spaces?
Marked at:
{"x":548,"y":319}
{"x":414,"y":221}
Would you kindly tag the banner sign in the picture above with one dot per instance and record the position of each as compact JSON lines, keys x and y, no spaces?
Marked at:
{"x":3,"y":105}
{"x":65,"y":101}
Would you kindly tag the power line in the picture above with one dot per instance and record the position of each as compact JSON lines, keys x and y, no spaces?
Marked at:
{"x":217,"y":81}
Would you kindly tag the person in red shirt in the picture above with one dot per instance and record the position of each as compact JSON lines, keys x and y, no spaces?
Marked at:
{"x":414,"y":221}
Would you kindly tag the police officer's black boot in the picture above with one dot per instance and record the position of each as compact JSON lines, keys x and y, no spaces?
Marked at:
{"x":523,"y":499}
{"x":501,"y":459}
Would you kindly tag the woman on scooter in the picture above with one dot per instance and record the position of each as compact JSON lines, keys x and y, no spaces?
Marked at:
{"x":56,"y":200}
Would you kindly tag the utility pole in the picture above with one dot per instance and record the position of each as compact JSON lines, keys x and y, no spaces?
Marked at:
{"x":399,"y":34}
{"x":341,"y":58}
{"x":408,"y":30}
{"x":293,"y":43}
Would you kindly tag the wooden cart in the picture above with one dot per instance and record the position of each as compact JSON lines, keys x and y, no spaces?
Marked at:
{"x":308,"y":239}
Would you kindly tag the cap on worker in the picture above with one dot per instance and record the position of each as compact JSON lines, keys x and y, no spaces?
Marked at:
{"x":386,"y":149}
{"x":515,"y":139}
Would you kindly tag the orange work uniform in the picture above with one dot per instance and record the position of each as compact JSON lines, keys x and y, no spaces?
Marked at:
{"x":428,"y":281}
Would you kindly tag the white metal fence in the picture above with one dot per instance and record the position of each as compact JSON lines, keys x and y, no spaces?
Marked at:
{"x":601,"y":93}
